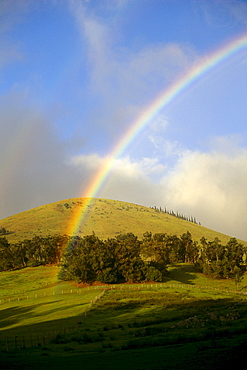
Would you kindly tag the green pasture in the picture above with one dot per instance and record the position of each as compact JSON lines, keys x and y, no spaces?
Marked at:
{"x":53,"y":324}
{"x":33,"y":301}
{"x":185,"y":274}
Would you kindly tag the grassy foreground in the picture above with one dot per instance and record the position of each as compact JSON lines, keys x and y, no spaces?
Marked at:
{"x":186,"y":322}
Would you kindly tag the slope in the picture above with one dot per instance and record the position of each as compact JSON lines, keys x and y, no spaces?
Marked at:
{"x":106,"y":218}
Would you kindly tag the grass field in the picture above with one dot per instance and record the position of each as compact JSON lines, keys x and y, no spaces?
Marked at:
{"x":186,"y":322}
{"x":107,"y":218}
{"x":48,"y":324}
{"x":33,"y":301}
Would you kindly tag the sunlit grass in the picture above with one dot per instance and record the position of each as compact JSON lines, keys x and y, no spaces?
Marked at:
{"x":107,"y":218}
{"x":33,"y":300}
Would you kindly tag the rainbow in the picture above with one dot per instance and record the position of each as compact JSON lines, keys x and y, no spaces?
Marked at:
{"x":198,"y":70}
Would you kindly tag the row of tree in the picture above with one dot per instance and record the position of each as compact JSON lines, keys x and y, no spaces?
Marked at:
{"x":125,"y":257}
{"x":221,"y":261}
{"x":113,"y":260}
{"x":34,"y":252}
{"x":176,"y":214}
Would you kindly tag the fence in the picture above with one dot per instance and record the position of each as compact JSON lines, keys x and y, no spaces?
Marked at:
{"x":8,"y":343}
{"x":9,"y":299}
{"x":28,"y":295}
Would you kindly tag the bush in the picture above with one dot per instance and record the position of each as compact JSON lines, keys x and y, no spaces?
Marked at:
{"x":108,"y":276}
{"x":153,"y":274}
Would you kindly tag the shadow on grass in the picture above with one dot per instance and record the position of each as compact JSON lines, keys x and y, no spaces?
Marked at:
{"x":184,"y":274}
{"x":15,"y":315}
{"x":164,"y":325}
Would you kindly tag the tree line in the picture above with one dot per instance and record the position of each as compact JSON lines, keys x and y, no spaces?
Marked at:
{"x":125,"y":258}
{"x":176,"y":214}
{"x":34,"y":252}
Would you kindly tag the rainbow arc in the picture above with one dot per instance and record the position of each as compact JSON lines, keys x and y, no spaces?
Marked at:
{"x":202,"y":67}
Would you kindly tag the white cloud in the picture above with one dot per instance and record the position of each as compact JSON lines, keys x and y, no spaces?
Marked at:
{"x":126,"y":167}
{"x":209,"y":186}
{"x":124,"y":80}
{"x":127,"y":180}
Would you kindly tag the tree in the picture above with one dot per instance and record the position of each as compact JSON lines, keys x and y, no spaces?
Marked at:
{"x":189,"y":247}
{"x":177,"y":249}
{"x":7,"y":260}
{"x":238,"y":275}
{"x":153,"y":274}
{"x":3,"y":231}
{"x":219,"y":261}
{"x":129,"y":263}
{"x":77,"y":264}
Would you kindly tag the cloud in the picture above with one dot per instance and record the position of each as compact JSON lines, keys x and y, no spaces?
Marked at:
{"x":128,"y":179}
{"x":224,"y":12}
{"x":210,"y":186}
{"x":124,"y":79}
{"x":123,"y":166}
{"x":34,"y":169}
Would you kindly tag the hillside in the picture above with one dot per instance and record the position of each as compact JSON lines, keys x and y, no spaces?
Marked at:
{"x":107,"y":218}
{"x":187,"y":319}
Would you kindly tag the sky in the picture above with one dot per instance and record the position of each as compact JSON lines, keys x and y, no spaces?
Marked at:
{"x":75,"y":76}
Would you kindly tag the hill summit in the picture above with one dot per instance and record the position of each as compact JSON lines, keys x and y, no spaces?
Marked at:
{"x":106,"y":218}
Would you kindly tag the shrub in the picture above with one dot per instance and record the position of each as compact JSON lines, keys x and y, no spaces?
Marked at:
{"x":152,"y":274}
{"x":108,"y":276}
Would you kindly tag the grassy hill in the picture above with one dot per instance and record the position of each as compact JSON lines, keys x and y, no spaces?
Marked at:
{"x":107,"y":218}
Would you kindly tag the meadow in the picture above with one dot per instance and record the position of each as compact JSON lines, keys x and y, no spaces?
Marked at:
{"x":53,"y":324}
